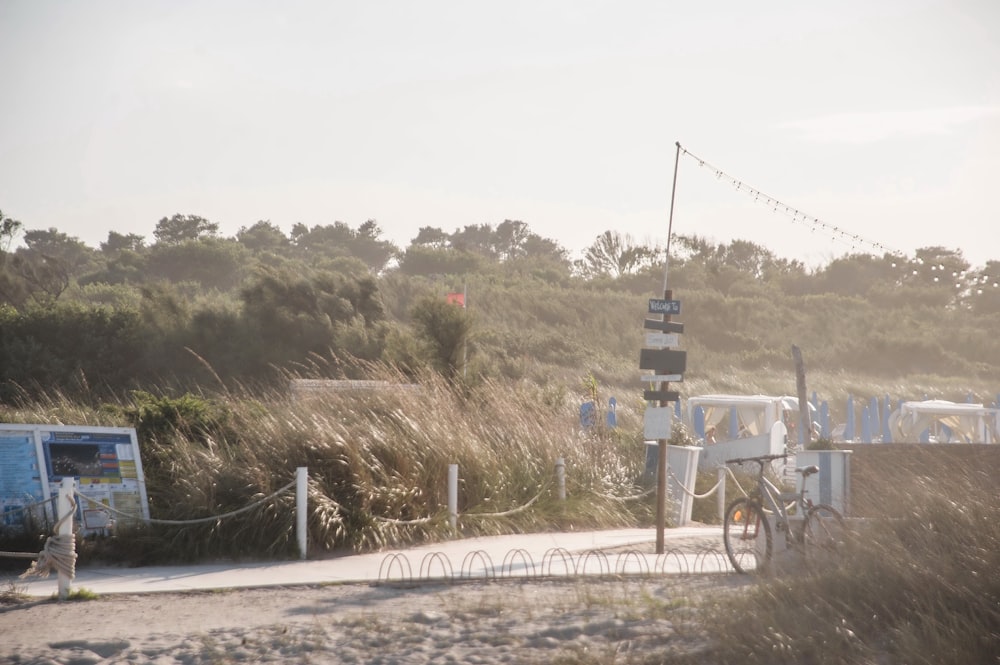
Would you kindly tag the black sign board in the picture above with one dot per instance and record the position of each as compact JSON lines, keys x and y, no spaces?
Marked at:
{"x":661,"y":395}
{"x":663,"y":361}
{"x":665,"y":326}
{"x":660,"y":306}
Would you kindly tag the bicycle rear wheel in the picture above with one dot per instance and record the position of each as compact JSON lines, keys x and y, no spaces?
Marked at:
{"x":747,"y":536}
{"x":823,"y":532}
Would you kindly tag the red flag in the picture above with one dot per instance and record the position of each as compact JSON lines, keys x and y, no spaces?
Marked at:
{"x":456,"y":299}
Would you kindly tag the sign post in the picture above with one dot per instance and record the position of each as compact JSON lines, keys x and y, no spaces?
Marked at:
{"x":668,"y":364}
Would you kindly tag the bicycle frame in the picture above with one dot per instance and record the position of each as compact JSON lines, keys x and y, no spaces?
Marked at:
{"x":772,"y":500}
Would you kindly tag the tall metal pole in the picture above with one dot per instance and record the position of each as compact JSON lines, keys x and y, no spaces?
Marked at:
{"x":670,"y":222}
{"x":661,"y":475}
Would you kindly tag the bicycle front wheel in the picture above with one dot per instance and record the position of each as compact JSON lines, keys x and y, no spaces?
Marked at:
{"x":747,"y":536}
{"x":823,"y":533}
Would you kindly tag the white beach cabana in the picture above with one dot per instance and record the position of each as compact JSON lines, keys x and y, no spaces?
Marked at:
{"x":945,"y":422}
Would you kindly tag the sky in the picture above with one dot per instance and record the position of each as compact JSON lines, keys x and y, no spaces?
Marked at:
{"x":876,"y":124}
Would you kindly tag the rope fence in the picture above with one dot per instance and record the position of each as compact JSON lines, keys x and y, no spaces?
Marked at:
{"x":59,"y":550}
{"x":199,"y":520}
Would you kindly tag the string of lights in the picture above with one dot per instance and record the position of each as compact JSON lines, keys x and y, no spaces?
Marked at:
{"x":963,"y":278}
{"x":834,"y":232}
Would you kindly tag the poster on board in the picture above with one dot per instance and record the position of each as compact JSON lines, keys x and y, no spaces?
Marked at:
{"x":104,"y":461}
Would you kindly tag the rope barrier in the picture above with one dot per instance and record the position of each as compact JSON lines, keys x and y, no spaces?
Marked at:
{"x":25,"y":508}
{"x":512,"y":511}
{"x":634,"y":497}
{"x":59,"y":552}
{"x":692,"y":494}
{"x":200,"y":520}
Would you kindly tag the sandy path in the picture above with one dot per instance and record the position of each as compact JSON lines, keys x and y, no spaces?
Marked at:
{"x":495,"y":622}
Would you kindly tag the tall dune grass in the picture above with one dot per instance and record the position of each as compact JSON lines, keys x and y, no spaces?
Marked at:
{"x":378,"y":466}
{"x":921,"y":589}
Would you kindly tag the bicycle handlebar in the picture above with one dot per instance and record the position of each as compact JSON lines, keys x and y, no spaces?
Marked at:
{"x":759,"y":459}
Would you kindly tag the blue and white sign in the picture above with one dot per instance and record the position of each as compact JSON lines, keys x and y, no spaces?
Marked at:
{"x":104,"y":461}
{"x":660,"y":306}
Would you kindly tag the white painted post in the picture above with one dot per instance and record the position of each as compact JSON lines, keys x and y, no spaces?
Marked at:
{"x":561,"y":477}
{"x":721,"y":494}
{"x":65,"y":509}
{"x":301,"y":508}
{"x":453,"y":495}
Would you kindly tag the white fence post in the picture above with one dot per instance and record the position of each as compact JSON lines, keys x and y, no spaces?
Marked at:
{"x":65,"y":508}
{"x":301,"y":508}
{"x":561,"y":477}
{"x":453,"y":495}
{"x":722,"y":493}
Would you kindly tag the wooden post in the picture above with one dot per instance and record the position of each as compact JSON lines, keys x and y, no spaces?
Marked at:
{"x":661,"y":465}
{"x":805,"y":421}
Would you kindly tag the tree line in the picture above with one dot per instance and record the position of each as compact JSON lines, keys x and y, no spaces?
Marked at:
{"x":195,"y":307}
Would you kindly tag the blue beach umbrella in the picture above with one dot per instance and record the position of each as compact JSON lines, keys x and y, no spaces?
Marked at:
{"x":849,"y":425}
{"x":699,"y":422}
{"x":866,"y":429}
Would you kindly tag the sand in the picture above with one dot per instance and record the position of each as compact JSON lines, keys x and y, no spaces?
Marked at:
{"x":527,"y":621}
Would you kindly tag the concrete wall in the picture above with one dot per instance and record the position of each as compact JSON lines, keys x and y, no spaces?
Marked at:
{"x":887,"y":479}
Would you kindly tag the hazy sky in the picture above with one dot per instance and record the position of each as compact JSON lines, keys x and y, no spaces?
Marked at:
{"x":880,"y":118}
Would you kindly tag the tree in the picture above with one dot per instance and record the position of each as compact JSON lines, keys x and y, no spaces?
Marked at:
{"x":445,"y":329}
{"x":509,"y":239}
{"x":857,"y":274}
{"x":212,"y":262}
{"x":431,"y":236}
{"x":984,"y":288}
{"x":54,"y":245}
{"x":614,"y":254}
{"x":425,"y":260}
{"x":339,"y":239}
{"x":118,"y":242}
{"x":476,"y":238}
{"x":182,"y":228}
{"x":9,"y":230}
{"x":263,"y":236}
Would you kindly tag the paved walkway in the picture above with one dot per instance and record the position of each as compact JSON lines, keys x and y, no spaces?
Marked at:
{"x":521,"y":554}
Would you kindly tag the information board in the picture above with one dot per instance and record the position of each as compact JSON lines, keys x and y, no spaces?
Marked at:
{"x":104,"y":461}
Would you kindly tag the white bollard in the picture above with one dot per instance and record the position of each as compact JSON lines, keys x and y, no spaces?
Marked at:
{"x":721,"y":493}
{"x":561,"y":477}
{"x":65,"y":507}
{"x":453,"y":495}
{"x":301,"y":508}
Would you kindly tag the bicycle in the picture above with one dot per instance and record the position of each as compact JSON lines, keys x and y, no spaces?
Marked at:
{"x":810,"y":528}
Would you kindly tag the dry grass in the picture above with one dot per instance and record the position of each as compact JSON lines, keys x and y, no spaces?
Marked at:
{"x":918,"y":589}
{"x":378,"y":467}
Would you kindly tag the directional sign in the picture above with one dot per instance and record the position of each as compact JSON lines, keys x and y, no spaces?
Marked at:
{"x":656,"y":422}
{"x":661,"y":395}
{"x":666,"y":361}
{"x":660,"y":306}
{"x":665,"y":326}
{"x":661,"y":340}
{"x":658,"y":378}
